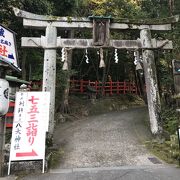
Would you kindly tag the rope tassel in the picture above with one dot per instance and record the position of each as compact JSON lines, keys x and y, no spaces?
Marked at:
{"x":102,"y":63}
{"x":63,"y":54}
{"x":65,"y":65}
{"x":116,"y":56}
{"x":64,"y":59}
{"x":86,"y":56}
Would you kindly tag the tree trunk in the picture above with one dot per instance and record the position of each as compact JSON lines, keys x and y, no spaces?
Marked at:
{"x":23,"y":64}
{"x":65,"y":98}
{"x":171,"y":7}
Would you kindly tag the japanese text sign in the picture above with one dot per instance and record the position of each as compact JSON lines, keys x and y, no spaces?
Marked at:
{"x":8,"y":46}
{"x":30,"y":124}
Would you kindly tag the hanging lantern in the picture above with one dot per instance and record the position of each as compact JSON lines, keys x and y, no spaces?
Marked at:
{"x":102,"y":63}
{"x":116,"y":56}
{"x":86,"y":56}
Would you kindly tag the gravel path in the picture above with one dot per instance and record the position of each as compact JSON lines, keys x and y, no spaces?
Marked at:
{"x":112,"y":139}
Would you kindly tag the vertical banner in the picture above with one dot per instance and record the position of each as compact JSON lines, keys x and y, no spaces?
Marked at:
{"x":30,"y":124}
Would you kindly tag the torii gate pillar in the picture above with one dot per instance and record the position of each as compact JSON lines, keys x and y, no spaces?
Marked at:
{"x":49,"y":71}
{"x":152,"y":90}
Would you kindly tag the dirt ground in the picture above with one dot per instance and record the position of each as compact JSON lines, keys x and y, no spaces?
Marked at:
{"x":106,"y":140}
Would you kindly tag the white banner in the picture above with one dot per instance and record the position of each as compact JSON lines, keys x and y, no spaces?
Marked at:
{"x":30,"y":124}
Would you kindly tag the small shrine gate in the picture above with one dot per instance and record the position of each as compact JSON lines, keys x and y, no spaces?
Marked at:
{"x":101,"y":27}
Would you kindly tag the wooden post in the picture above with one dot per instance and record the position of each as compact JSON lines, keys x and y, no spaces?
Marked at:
{"x":111,"y":88}
{"x":124,"y":87}
{"x":118,"y":87}
{"x":81,"y":86}
{"x":49,"y":72}
{"x":151,"y":82}
{"x":96,"y":87}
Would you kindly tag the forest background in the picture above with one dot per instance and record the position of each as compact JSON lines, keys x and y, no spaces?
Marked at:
{"x":31,"y":60}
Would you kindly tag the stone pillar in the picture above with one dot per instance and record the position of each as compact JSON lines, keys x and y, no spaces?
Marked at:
{"x":49,"y":71}
{"x":152,"y":90}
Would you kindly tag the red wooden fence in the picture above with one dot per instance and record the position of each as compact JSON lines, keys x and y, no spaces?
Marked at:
{"x":80,"y":86}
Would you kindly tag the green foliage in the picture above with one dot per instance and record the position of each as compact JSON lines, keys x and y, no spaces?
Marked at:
{"x":170,"y":120}
{"x":164,"y":73}
{"x":34,"y":63}
{"x":116,"y":8}
{"x":115,"y":103}
{"x":55,"y":157}
{"x":7,"y":16}
{"x":63,"y":7}
{"x":155,"y":8}
{"x":167,"y":150}
{"x":127,"y":9}
{"x":6,"y":13}
{"x":61,"y":78}
{"x":38,"y":6}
